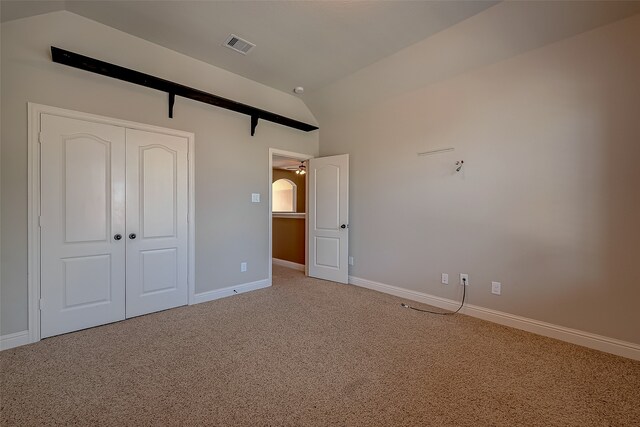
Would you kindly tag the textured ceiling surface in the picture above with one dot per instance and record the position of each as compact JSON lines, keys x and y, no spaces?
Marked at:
{"x":303,"y":43}
{"x":327,"y":46}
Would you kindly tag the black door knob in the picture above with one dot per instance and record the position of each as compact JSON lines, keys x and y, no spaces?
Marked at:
{"x":132,"y":236}
{"x":118,"y":236}
{"x":343,"y":226}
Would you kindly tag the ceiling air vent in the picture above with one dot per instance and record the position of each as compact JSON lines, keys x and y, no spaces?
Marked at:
{"x":236,"y":43}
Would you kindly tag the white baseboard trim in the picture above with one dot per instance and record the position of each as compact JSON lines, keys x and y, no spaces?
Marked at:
{"x":288,"y":264}
{"x":574,"y":336}
{"x":231,"y":290}
{"x":14,"y":340}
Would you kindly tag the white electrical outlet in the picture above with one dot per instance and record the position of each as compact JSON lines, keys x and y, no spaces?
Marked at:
{"x":445,"y":279}
{"x":255,"y":197}
{"x":464,"y":278}
{"x":243,"y":267}
{"x":496,"y":288}
{"x":350,"y":260}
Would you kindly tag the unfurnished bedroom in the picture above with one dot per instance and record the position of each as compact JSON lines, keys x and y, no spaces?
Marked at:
{"x":314,"y":213}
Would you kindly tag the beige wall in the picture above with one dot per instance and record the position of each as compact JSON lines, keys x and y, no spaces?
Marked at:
{"x":548,"y":202}
{"x":288,"y":234}
{"x":229,"y":228}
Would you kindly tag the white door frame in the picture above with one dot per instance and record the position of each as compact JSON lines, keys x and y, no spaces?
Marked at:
{"x":302,"y":157}
{"x":33,"y":203}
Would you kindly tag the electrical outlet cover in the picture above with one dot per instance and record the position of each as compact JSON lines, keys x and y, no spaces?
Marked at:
{"x":445,"y":279}
{"x":464,"y":276}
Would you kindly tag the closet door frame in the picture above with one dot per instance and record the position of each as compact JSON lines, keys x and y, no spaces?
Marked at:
{"x":35,"y":112}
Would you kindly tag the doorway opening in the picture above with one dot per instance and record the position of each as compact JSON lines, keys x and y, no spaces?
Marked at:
{"x":288,"y":208}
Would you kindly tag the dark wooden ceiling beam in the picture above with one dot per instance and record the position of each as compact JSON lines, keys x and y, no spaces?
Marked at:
{"x":173,"y":89}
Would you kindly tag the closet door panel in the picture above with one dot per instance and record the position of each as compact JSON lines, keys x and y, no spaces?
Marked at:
{"x":82,"y":211}
{"x":156,"y":222}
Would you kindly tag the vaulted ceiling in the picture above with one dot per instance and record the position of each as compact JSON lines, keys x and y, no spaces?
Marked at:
{"x":306,"y":43}
{"x":316,"y":44}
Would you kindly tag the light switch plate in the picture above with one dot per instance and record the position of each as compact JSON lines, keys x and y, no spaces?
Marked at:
{"x":255,"y":197}
{"x":496,"y":288}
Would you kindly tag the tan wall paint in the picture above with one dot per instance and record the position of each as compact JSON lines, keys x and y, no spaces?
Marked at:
{"x":548,"y":202}
{"x":288,"y":239}
{"x":288,"y":234}
{"x":229,"y":228}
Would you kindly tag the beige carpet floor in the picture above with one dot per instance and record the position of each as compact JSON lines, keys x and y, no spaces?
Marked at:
{"x":312,"y":353}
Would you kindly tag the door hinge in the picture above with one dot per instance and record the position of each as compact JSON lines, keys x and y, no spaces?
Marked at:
{"x":41,"y":304}
{"x":40,"y":221}
{"x":40,"y":138}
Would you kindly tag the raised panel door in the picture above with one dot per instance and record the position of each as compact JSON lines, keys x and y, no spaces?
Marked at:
{"x":82,"y":210}
{"x":156,"y":222}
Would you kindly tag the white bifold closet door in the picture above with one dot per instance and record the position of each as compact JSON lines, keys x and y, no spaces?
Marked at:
{"x":113,"y":223}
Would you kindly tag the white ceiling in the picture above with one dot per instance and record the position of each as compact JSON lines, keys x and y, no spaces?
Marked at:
{"x":322,"y":45}
{"x":280,"y":162}
{"x":298,"y":43}
{"x":500,"y":32}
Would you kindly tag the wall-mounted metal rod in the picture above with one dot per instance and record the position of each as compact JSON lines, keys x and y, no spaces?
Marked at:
{"x":441,"y":150}
{"x":86,"y":63}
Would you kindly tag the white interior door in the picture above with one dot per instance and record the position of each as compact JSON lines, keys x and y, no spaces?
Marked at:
{"x":328,"y":218}
{"x":156,"y":222}
{"x":82,"y":213}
